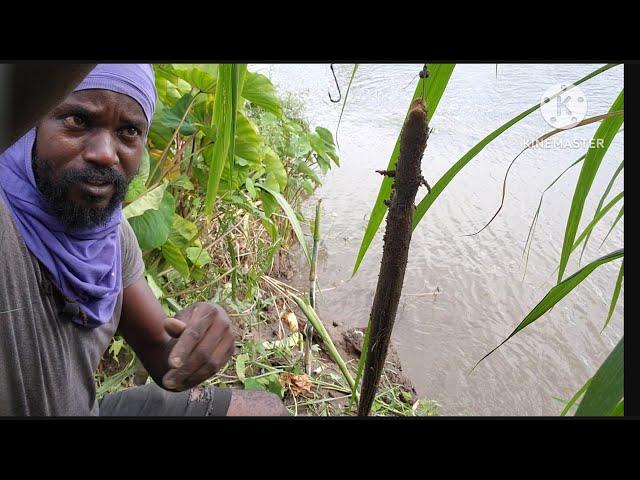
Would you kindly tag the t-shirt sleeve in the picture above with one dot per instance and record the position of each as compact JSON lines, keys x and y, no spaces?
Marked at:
{"x":132,"y":263}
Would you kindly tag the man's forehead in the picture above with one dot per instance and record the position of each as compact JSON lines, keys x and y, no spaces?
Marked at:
{"x":96,"y":98}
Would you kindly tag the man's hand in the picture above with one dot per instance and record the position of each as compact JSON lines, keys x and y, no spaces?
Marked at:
{"x":205,"y":344}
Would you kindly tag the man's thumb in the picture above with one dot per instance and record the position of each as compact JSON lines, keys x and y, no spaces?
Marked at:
{"x":174,"y":327}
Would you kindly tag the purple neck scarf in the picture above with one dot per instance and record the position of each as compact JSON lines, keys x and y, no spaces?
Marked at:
{"x":85,"y":265}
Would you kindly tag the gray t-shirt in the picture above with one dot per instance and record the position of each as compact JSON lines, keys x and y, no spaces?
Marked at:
{"x":47,"y":362}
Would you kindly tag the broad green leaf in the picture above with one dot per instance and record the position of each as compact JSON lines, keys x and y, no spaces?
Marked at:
{"x":198,"y":256}
{"x":602,"y":199}
{"x":276,"y":174}
{"x":153,"y":285}
{"x":434,"y":86}
{"x":269,"y":226}
{"x":172,"y":254}
{"x":183,"y":182}
{"x":253,"y":384}
{"x":153,"y":226}
{"x":259,"y":90}
{"x":329,"y":144}
{"x":166,"y":121}
{"x":304,"y":168}
{"x":300,"y":145}
{"x":138,"y":185}
{"x":616,"y":294}
{"x":248,"y":141}
{"x":136,"y":188}
{"x":607,"y":386}
{"x":143,"y":169}
{"x":269,"y":203}
{"x":293,"y":219}
{"x":307,"y":185}
{"x":318,"y":146}
{"x":557,"y":293}
{"x":322,"y":144}
{"x":148,"y":201}
{"x":165,"y":83}
{"x":272,"y":384}
{"x":250,"y":187}
{"x":605,"y":133}
{"x":183,"y":232}
{"x":201,"y":76}
{"x":324,"y":162}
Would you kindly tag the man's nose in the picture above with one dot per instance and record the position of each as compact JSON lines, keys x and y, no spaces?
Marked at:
{"x":101,"y":150}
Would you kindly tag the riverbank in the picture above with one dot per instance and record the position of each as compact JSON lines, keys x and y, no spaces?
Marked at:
{"x":269,"y":355}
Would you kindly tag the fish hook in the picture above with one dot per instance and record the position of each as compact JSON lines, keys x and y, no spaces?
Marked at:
{"x":337,"y":85}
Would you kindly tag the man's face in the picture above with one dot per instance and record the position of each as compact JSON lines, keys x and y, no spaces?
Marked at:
{"x":87,"y":150}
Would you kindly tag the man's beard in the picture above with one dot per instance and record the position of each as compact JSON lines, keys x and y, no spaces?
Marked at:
{"x":56,"y":194}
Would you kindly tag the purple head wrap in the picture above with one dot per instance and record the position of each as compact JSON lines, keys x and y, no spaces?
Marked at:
{"x":85,"y":265}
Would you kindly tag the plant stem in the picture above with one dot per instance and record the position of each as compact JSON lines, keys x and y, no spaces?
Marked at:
{"x":308,"y":331}
{"x":395,"y":253}
{"x":317,"y":324}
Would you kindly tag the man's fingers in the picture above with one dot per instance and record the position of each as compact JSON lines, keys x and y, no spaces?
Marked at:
{"x":174,"y":327}
{"x":208,"y":353}
{"x":190,"y":337}
{"x":169,"y":380}
{"x":220,"y":356}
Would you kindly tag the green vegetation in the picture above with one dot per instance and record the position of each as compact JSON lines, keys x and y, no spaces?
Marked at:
{"x":216,"y":210}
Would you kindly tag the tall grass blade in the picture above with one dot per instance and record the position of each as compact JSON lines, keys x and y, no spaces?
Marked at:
{"x":534,"y":222}
{"x":224,"y":115}
{"x":312,"y":316}
{"x":344,"y":103}
{"x":557,"y":293}
{"x":620,"y":215}
{"x":589,"y":228}
{"x":435,"y":85}
{"x":599,"y":146}
{"x":291,"y":216}
{"x":604,"y":196}
{"x":575,"y":398}
{"x":616,"y":294}
{"x":439,"y":187}
{"x":607,"y":386}
{"x":532,"y":144}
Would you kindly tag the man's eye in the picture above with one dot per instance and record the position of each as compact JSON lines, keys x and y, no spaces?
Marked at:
{"x":74,"y":121}
{"x":130,"y":132}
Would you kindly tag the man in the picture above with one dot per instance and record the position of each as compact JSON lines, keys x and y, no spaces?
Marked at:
{"x":71,"y":272}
